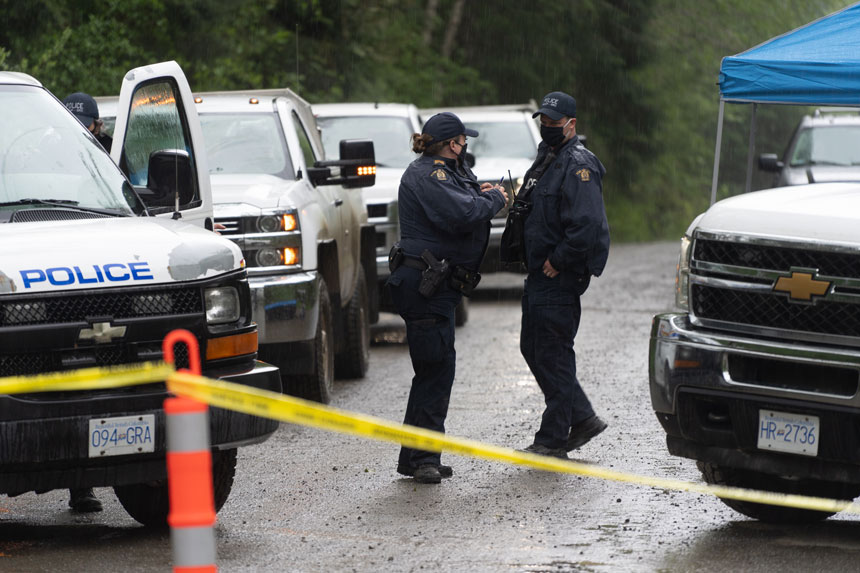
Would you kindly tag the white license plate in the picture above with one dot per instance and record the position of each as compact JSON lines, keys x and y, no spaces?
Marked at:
{"x":120,"y":436}
{"x":792,"y":433}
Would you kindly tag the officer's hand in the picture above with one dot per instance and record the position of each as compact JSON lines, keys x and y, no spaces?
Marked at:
{"x":549,"y":270}
{"x":486,"y":186}
{"x":501,"y":190}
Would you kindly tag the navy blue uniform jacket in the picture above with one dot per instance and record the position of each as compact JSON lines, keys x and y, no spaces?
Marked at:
{"x":567,"y":223}
{"x":444,"y":211}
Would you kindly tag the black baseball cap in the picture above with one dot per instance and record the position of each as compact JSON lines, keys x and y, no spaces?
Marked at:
{"x":83,"y":106}
{"x":557,"y":105}
{"x":446,"y":125}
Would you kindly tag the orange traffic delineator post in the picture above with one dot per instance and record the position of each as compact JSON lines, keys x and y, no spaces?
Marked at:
{"x":189,"y":471}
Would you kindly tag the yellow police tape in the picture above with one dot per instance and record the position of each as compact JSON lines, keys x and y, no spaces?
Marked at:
{"x":290,"y":409}
{"x":295,"y":410}
{"x":88,"y":378}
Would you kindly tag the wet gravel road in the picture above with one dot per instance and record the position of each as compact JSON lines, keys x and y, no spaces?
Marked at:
{"x":307,"y":500}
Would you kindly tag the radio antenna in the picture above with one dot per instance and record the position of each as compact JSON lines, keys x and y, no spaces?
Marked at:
{"x":298,"y":81}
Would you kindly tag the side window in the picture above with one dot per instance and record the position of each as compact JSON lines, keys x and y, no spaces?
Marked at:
{"x":157,"y":122}
{"x":304,"y":141}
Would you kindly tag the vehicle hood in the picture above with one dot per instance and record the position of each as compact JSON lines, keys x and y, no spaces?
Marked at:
{"x":386,"y":187}
{"x":493,"y":168}
{"x":255,"y":190}
{"x":822,"y":174}
{"x":103,"y":253}
{"x":826,"y":212}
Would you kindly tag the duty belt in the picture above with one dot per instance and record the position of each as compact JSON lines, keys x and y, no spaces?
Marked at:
{"x":413,"y":262}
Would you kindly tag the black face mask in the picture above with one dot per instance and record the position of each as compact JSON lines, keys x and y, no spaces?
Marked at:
{"x":461,"y":157}
{"x":552,"y":136}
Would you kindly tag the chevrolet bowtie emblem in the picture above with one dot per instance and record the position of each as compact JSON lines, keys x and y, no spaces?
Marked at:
{"x":102,"y":332}
{"x":801,"y":286}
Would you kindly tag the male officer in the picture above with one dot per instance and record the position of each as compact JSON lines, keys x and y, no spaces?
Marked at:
{"x":86,"y":110}
{"x":566,"y":240}
{"x":444,"y":215}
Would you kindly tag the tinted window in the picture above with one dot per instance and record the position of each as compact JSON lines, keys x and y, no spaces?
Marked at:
{"x":502,"y":139}
{"x":246,"y":143}
{"x":391,"y":136}
{"x":837,"y":145}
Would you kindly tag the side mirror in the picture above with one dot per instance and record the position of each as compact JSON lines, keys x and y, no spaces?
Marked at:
{"x":470,"y":160}
{"x":769,"y":162}
{"x":357,"y":165}
{"x":170,"y":179}
{"x":318,"y":175}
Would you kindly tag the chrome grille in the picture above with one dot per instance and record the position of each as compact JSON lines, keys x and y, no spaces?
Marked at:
{"x":731,"y":289}
{"x":231,"y":226}
{"x":777,"y":258}
{"x":771,"y":311}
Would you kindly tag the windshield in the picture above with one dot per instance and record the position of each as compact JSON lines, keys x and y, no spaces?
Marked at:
{"x":391,"y":136}
{"x":836,"y":145}
{"x":246,"y":143}
{"x":47,"y":155}
{"x":502,"y":139}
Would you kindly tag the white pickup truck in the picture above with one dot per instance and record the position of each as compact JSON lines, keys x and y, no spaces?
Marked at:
{"x":97,"y":265}
{"x":757,"y":376}
{"x":303,"y":230}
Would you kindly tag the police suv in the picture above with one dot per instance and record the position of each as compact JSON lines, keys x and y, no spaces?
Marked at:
{"x":97,"y":265}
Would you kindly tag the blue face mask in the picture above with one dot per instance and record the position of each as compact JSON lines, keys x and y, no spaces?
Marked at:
{"x":553,"y":135}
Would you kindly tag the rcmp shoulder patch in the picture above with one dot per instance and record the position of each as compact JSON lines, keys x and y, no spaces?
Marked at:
{"x":584,"y":174}
{"x":439,"y":174}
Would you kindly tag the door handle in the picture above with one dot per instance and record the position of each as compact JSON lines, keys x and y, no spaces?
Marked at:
{"x":338,"y":202}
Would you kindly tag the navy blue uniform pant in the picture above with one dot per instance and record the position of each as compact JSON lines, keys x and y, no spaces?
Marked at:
{"x":430,"y":334}
{"x":551,"y":312}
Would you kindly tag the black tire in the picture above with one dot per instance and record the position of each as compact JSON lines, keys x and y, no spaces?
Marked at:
{"x":318,"y":384}
{"x":461,"y":313}
{"x":353,"y":361}
{"x":719,"y":475}
{"x":149,"y":503}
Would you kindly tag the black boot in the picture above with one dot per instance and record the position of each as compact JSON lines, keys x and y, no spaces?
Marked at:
{"x":83,"y":500}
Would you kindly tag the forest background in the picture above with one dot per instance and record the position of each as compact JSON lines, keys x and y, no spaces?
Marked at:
{"x":643,"y":72}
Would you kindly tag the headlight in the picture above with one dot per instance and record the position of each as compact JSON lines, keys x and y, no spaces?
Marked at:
{"x":278,"y":221}
{"x":269,"y":257}
{"x":682,"y":277}
{"x":222,"y":305}
{"x":269,"y":224}
{"x":272,"y":256}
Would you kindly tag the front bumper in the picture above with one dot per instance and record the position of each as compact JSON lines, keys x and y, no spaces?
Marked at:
{"x":43,"y":437}
{"x":285,"y":307}
{"x":707,"y":389}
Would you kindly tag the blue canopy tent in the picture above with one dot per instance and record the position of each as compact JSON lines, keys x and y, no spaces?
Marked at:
{"x":816,"y":64}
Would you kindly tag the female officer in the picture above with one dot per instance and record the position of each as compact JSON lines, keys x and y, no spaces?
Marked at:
{"x":444,"y":215}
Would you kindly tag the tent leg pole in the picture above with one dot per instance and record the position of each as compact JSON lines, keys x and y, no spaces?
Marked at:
{"x":751,"y":151}
{"x":717,"y":152}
